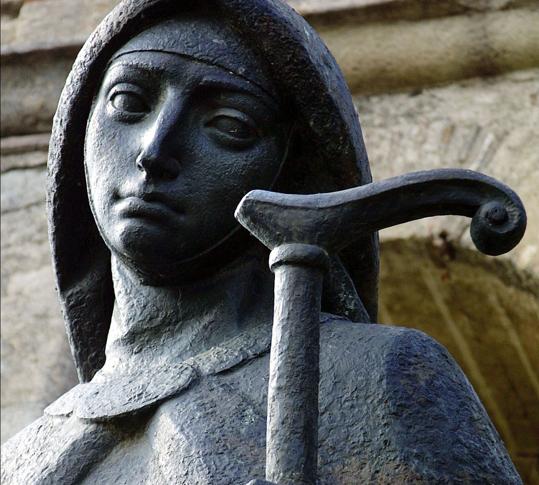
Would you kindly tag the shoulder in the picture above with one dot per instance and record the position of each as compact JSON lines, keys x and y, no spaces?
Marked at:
{"x":399,"y":354}
{"x":52,"y":449}
{"x":335,"y":328}
{"x":411,"y":404}
{"x":383,"y":350}
{"x":31,"y":443}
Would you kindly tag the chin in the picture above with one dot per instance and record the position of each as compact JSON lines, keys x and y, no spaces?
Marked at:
{"x":161,"y":255}
{"x":149,"y":244}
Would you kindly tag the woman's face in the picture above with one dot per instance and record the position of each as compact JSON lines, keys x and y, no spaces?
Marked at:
{"x":172,"y":145}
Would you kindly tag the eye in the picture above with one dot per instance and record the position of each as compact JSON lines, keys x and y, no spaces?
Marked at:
{"x":231,"y":125}
{"x":127,"y":98}
{"x":129,"y":102}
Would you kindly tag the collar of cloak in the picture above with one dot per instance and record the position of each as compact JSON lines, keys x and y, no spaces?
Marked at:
{"x":108,"y":398}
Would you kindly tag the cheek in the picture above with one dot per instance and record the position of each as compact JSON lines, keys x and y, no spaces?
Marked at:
{"x":106,"y":153}
{"x":233,"y":174}
{"x":229,"y":177}
{"x":260,"y":169}
{"x":216,"y":179}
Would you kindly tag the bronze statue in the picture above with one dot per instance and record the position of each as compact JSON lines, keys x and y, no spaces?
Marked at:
{"x":172,"y":113}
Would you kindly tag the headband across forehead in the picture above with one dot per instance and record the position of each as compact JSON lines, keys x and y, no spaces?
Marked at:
{"x":204,"y":40}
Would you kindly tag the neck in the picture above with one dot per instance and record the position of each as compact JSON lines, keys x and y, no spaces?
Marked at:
{"x":160,"y":325}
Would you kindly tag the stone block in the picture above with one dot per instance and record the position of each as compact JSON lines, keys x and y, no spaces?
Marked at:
{"x":22,"y":189}
{"x":31,"y":86}
{"x":390,"y":56}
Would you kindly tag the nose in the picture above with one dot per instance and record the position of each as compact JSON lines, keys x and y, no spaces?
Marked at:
{"x":158,"y":155}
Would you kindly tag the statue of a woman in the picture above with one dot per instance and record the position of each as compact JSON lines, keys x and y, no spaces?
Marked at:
{"x":173,"y":111}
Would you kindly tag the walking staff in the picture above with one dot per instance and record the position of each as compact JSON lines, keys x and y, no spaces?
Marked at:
{"x":302,"y":232}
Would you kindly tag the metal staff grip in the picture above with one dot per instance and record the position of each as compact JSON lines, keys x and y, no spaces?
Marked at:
{"x":336,"y":219}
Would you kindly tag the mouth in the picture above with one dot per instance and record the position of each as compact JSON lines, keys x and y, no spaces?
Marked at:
{"x":151,"y":206}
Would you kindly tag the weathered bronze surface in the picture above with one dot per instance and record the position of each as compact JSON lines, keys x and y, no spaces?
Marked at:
{"x":172,"y":113}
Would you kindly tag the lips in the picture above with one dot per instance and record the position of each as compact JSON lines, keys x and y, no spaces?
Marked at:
{"x":149,"y":205}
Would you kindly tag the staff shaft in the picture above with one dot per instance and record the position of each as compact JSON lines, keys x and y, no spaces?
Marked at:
{"x":292,"y":426}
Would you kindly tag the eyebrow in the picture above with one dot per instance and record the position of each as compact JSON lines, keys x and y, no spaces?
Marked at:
{"x":144,"y":68}
{"x":239,"y":85}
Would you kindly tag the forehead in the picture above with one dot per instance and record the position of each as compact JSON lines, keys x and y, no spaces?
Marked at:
{"x":205,"y":40}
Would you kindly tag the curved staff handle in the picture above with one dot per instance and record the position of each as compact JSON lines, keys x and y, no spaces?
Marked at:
{"x":301,"y":230}
{"x":334,"y":220}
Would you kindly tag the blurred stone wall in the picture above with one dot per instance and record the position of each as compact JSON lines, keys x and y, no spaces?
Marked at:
{"x":451,"y":83}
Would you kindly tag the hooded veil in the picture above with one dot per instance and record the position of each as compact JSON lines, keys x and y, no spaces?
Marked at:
{"x":328,"y":154}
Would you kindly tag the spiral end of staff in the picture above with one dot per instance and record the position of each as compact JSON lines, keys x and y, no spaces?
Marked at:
{"x":497,"y":227}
